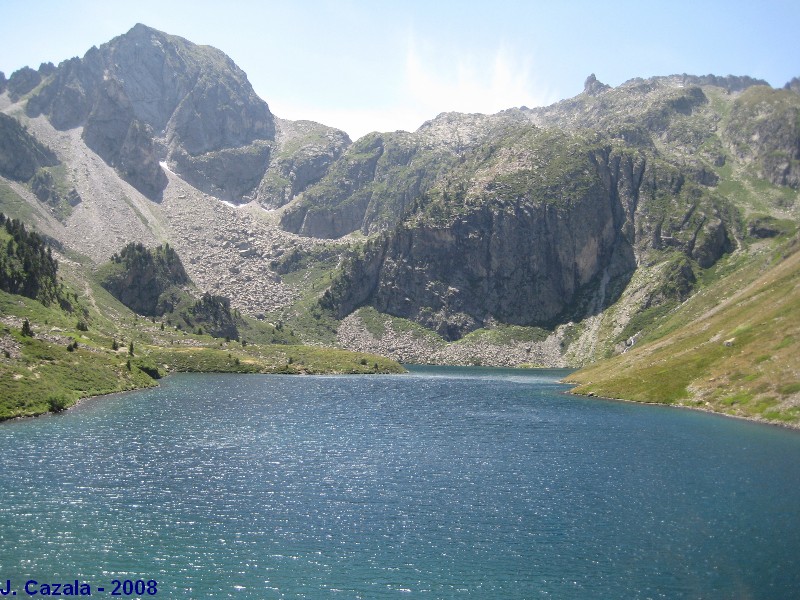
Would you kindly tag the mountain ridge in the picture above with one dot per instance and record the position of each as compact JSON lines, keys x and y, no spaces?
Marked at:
{"x":557,"y":234}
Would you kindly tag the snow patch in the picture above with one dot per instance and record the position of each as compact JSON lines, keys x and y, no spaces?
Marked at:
{"x":232,"y":205}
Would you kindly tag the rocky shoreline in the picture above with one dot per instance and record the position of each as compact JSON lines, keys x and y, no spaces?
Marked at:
{"x":412,"y":347}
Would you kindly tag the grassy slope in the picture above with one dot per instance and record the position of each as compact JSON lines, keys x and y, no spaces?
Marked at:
{"x":732,"y":348}
{"x":40,"y":370}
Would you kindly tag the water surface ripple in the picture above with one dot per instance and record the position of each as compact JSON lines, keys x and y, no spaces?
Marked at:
{"x":445,"y":483}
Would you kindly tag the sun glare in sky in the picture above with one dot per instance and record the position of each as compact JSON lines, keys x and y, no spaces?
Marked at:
{"x":435,"y":80}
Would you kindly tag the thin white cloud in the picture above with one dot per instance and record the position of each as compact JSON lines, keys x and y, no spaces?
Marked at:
{"x":435,"y":80}
{"x":438,"y":80}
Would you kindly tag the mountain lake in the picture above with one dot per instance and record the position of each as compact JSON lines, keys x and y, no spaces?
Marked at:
{"x":446,"y":482}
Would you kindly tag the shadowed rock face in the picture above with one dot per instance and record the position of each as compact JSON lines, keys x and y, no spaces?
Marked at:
{"x":523,"y":266}
{"x":20,"y":153}
{"x":23,"y":81}
{"x":147,"y":95}
{"x":523,"y":260}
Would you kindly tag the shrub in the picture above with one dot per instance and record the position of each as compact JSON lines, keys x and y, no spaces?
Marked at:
{"x":57,"y":402}
{"x":149,"y":368}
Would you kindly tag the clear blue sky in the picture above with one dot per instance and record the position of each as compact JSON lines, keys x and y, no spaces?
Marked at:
{"x":386,"y":65}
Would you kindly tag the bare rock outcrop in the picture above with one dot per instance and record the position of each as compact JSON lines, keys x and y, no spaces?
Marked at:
{"x":21,"y":154}
{"x":764,"y":128}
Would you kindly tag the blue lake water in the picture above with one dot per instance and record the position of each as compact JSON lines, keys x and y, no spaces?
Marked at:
{"x":444,"y":483}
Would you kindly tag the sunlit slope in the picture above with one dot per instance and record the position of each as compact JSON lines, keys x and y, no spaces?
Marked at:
{"x":734,"y":347}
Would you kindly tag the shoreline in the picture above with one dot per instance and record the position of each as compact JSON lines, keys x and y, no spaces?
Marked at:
{"x":156,"y":384}
{"x":761,"y":421}
{"x":78,"y":402}
{"x":38,"y":396}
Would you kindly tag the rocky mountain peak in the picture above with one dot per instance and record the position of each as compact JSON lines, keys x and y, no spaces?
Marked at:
{"x":146,"y":96}
{"x":793,"y":85}
{"x":593,"y":87}
{"x":195,"y":94}
{"x":23,"y":81}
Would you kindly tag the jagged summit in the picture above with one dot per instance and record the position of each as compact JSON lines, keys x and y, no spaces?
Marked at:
{"x":730,"y":83}
{"x":593,"y":87}
{"x":164,"y":79}
{"x":793,"y":85}
{"x":141,"y":29}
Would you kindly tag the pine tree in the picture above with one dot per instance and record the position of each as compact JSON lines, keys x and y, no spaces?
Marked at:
{"x":26,"y":328}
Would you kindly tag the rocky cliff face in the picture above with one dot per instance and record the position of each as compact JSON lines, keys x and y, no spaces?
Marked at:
{"x":764,"y":130}
{"x":506,"y":250}
{"x":304,"y":154}
{"x":143,"y":279}
{"x":24,"y":80}
{"x":376,"y":178}
{"x":374,"y":183}
{"x":531,"y":224}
